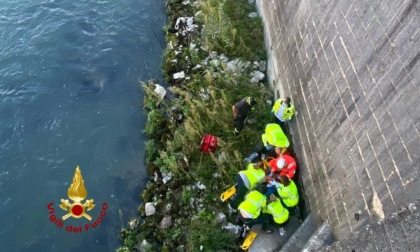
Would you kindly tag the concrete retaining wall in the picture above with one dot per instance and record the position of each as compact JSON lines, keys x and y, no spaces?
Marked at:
{"x":352,"y":69}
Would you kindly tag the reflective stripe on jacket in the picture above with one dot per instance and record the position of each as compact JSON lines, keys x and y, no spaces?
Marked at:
{"x":287,"y":113}
{"x":253,"y":175}
{"x":289,"y":194}
{"x":280,"y":213}
{"x":253,"y":203}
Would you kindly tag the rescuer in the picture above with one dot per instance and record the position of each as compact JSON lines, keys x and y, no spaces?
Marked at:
{"x":274,"y":136}
{"x":280,"y":215}
{"x":283,"y":110}
{"x":240,"y":111}
{"x":247,"y":180}
{"x":250,"y":211}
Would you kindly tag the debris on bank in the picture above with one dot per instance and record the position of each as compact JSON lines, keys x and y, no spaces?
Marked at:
{"x":209,"y":65}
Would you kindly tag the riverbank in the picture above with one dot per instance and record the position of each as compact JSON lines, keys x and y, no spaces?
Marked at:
{"x":215,"y":56}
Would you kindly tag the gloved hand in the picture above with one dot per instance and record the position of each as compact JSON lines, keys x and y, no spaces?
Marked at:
{"x":268,"y":147}
{"x":272,"y":183}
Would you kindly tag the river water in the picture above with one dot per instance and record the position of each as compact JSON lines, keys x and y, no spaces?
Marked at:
{"x":70,"y":95}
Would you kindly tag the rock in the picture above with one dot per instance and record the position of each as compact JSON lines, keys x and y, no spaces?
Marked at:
{"x":133,"y":223}
{"x":255,"y":65}
{"x":223,"y":58}
{"x":144,"y":246}
{"x":213,"y":55}
{"x":150,"y":209}
{"x":237,"y":65}
{"x":166,"y":177}
{"x":257,"y":76}
{"x":179,"y":75}
{"x":204,"y":94}
{"x":263,"y":66}
{"x":166,"y":222}
{"x":253,"y":15}
{"x":197,"y":67}
{"x":180,"y":248}
{"x":192,"y":46}
{"x":220,"y":218}
{"x":167,"y":209}
{"x":215,"y":63}
{"x":234,"y":229}
{"x":200,"y":185}
{"x":160,"y":91}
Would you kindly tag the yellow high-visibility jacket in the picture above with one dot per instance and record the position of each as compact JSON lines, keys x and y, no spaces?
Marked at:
{"x":253,"y":203}
{"x":279,"y":212}
{"x":254,"y":176}
{"x":275,"y":136}
{"x":287,"y":113}
{"x":289,"y":194}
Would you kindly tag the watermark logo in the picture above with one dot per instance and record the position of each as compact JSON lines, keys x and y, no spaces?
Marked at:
{"x":76,"y":208}
{"x":77,"y":192}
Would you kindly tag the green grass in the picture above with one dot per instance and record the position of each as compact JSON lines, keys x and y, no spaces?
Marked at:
{"x":173,"y":146}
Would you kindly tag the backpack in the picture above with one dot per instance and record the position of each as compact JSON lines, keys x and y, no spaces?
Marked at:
{"x":208,"y":144}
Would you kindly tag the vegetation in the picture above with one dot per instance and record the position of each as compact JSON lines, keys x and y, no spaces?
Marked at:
{"x":201,"y":104}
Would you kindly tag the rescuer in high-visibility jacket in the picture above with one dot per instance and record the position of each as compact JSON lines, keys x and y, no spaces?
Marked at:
{"x":280,"y":214}
{"x":288,"y":192}
{"x":274,"y":136}
{"x":283,"y":109}
{"x":247,"y":180}
{"x":250,"y":211}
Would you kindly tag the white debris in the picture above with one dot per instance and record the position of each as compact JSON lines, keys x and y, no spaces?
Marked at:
{"x":179,"y":75}
{"x":160,"y":91}
{"x":215,"y":63}
{"x":149,"y":209}
{"x":200,"y":185}
{"x":166,"y":177}
{"x":223,"y":58}
{"x":220,"y":218}
{"x":253,"y":15}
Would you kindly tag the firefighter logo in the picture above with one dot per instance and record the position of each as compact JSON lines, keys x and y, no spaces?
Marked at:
{"x":77,"y":193}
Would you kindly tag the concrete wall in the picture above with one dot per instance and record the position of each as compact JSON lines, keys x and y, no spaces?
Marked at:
{"x":352,"y":69}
